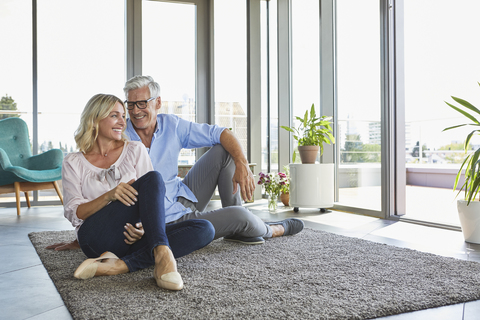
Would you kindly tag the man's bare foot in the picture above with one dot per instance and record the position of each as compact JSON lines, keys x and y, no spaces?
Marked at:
{"x":286,"y":227}
{"x":277,"y":230}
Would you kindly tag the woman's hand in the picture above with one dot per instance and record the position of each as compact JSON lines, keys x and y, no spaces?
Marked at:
{"x":133,"y":233}
{"x":124,"y":193}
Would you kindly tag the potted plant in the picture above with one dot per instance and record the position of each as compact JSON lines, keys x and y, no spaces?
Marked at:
{"x":469,"y":209}
{"x":311,"y":134}
{"x":285,"y":186}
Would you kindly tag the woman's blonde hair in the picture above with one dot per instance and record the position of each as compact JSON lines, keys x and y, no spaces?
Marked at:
{"x":97,"y":108}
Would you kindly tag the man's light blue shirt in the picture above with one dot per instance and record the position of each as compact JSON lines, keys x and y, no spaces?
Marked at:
{"x":172,"y":135}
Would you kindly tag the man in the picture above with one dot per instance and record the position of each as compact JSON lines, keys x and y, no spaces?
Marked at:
{"x":224,"y":165}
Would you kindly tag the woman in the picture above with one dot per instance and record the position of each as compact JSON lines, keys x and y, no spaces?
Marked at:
{"x":108,"y":186}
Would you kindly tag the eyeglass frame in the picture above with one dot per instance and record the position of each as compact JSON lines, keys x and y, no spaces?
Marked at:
{"x":126,"y":102}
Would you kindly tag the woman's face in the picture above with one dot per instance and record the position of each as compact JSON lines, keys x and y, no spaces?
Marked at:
{"x":113,"y":125}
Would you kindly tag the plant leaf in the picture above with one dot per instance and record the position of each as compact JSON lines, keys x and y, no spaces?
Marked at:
{"x":466,"y":114}
{"x":457,"y":126}
{"x":466,"y":104}
{"x":287,"y":128}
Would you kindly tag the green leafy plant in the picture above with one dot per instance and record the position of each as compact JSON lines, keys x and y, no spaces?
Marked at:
{"x":312,"y":130}
{"x":472,"y":161}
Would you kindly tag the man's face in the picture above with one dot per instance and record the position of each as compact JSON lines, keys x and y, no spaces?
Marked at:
{"x":143,"y":118}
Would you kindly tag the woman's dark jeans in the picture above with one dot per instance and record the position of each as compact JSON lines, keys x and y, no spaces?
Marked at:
{"x":103,"y":231}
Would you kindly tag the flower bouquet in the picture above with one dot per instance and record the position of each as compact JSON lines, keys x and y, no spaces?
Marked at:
{"x":274,"y":183}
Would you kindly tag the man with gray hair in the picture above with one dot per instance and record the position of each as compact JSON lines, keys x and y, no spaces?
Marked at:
{"x":225,"y":165}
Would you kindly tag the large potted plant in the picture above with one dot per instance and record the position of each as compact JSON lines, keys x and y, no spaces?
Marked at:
{"x":311,"y":185}
{"x":311,"y":134}
{"x":469,"y":208}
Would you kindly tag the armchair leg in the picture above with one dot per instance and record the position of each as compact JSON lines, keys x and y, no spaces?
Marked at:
{"x":55,"y":184}
{"x":16,"y":185}
{"x":27,"y":198}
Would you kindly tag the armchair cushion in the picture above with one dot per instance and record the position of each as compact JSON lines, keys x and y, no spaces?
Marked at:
{"x":16,"y":161}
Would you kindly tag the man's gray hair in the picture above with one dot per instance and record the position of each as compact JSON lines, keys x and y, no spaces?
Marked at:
{"x":138,"y":82}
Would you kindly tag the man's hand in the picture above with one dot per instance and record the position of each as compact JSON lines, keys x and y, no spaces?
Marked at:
{"x":133,"y":234}
{"x":65,"y":246}
{"x":243,"y":176}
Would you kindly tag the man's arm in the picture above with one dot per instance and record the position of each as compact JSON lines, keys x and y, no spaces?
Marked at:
{"x":242,"y":175}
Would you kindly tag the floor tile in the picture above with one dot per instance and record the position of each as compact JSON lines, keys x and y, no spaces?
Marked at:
{"x":453,"y":312}
{"x":27,"y":292}
{"x":427,"y":236}
{"x":341,"y":220}
{"x":60,"y":313}
{"x":472,"y":310}
{"x":17,"y":257}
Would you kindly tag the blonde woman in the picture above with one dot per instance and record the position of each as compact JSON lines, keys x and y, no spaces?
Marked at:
{"x":110,"y":186}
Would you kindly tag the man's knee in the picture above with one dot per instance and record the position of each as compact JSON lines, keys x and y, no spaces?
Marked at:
{"x":218,"y":152}
{"x":240,"y":215}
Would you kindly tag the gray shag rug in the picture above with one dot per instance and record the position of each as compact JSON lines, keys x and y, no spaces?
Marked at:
{"x":312,"y":275}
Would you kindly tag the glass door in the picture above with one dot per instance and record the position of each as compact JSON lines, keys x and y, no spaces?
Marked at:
{"x":169,"y":56}
{"x":440,"y":59}
{"x":358,"y":141}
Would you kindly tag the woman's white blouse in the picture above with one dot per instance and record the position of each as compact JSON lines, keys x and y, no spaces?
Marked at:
{"x":83,"y":182}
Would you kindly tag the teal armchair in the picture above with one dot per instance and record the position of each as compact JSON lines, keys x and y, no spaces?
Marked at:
{"x":19,"y":170}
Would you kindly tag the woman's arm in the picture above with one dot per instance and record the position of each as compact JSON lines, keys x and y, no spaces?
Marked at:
{"x":124,"y":193}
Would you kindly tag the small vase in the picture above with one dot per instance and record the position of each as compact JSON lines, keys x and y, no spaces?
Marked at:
{"x":285,"y":198}
{"x":272,"y":202}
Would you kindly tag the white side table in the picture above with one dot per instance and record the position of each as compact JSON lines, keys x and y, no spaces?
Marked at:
{"x":311,"y":186}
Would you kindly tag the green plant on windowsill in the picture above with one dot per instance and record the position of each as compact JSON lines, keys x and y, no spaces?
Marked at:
{"x":312,"y":131}
{"x":472,"y":161}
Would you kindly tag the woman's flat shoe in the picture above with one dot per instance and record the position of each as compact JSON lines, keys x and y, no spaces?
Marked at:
{"x":170,"y":281}
{"x":88,"y":268}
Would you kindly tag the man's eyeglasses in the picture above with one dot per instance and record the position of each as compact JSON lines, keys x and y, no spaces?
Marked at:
{"x":141,"y":104}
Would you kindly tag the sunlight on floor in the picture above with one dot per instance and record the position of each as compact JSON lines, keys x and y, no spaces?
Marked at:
{"x":340,"y":219}
{"x":422,"y":203}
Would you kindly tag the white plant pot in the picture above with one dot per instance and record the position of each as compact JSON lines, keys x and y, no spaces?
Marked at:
{"x":312,"y":185}
{"x":470,"y":220}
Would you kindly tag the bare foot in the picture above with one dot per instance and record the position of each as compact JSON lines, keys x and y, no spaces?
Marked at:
{"x":164,"y":261}
{"x":277,"y":230}
{"x":110,"y":267}
{"x":165,"y":272}
{"x":108,"y":264}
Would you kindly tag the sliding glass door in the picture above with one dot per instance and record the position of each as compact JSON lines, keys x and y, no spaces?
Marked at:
{"x":440,"y":58}
{"x":169,"y":56}
{"x":358,"y":141}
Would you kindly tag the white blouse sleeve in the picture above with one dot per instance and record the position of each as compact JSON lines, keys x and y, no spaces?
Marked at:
{"x":143,"y":162}
{"x":72,"y":188}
